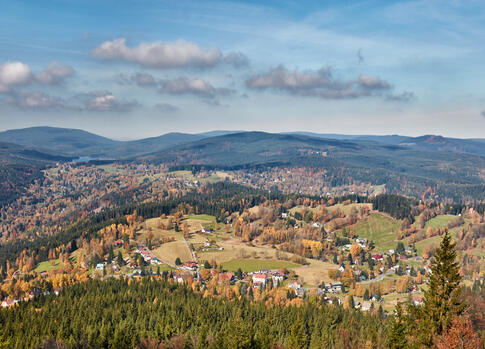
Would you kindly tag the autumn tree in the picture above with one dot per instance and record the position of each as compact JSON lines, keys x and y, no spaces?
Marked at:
{"x":459,"y":335}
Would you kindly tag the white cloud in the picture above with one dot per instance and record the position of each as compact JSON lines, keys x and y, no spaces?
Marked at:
{"x":199,"y":87}
{"x":159,"y":54}
{"x":321,"y":84}
{"x":54,"y":74}
{"x":372,"y":82}
{"x":282,"y":78}
{"x":13,"y":74}
{"x":35,"y":100}
{"x":105,"y":101}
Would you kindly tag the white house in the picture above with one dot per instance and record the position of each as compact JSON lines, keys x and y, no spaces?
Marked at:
{"x":260,"y":279}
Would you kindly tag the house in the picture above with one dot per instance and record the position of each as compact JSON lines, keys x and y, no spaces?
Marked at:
{"x":342,"y":268}
{"x":207,"y":230}
{"x":294,"y":285}
{"x":417,"y":300}
{"x":99,"y":266}
{"x":390,"y":252}
{"x":299,"y":292}
{"x":366,"y":306}
{"x":361,"y":241}
{"x":260,"y":279}
{"x":317,"y":225}
{"x":277,"y":278}
{"x":377,"y":257}
{"x":8,"y":303}
{"x":192,"y":265}
{"x":207,"y":243}
{"x":284,"y":215}
{"x":229,"y":277}
{"x":156,"y":261}
{"x":336,"y":287}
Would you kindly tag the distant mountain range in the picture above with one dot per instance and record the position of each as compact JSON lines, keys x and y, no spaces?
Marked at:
{"x":408,"y":165}
{"x":74,"y":142}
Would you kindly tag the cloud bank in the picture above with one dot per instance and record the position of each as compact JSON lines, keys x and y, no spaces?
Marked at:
{"x":14,"y":74}
{"x":176,"y":86}
{"x":54,"y":74}
{"x":321,"y":84}
{"x":166,"y":55}
{"x":105,"y":101}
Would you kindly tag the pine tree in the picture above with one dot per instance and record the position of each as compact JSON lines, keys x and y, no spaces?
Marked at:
{"x":442,"y":298}
{"x":120,"y":261}
{"x":398,"y":334}
{"x":298,"y":335}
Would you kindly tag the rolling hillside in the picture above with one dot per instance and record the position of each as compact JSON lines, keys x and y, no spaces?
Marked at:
{"x":403,"y":169}
{"x":73,"y":142}
{"x":451,"y":168}
{"x":426,"y":142}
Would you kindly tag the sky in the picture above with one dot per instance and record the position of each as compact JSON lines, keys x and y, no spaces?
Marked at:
{"x":132,"y":69}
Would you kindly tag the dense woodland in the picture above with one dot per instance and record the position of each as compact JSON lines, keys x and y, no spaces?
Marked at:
{"x":124,"y":314}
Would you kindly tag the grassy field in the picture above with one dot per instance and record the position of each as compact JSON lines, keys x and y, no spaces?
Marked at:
{"x":439,"y":221}
{"x":48,"y":266}
{"x":315,"y":273}
{"x":344,"y":208}
{"x":187,"y":175}
{"x":379,"y":228}
{"x":236,"y":249}
{"x":157,"y":232}
{"x":197,"y":222}
{"x":170,"y":251}
{"x":250,"y":265}
{"x":163,"y":267}
{"x":347,"y":208}
{"x":435,"y":240}
{"x":202,"y":217}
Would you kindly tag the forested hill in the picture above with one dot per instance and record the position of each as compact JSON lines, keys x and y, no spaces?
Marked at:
{"x":159,"y":314}
{"x":426,"y":142}
{"x":19,"y":167}
{"x":449,"y":168}
{"x":248,"y":148}
{"x":402,"y":169}
{"x":74,"y":142}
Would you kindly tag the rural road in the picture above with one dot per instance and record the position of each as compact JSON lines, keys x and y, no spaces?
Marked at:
{"x":378,"y":278}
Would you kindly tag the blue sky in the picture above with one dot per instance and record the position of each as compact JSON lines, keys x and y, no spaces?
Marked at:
{"x":131,"y":69}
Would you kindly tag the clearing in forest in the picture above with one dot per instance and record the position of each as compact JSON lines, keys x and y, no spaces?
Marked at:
{"x":251,"y":265}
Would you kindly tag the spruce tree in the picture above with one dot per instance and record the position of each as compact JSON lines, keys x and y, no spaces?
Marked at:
{"x":298,"y":335}
{"x":442,"y":297}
